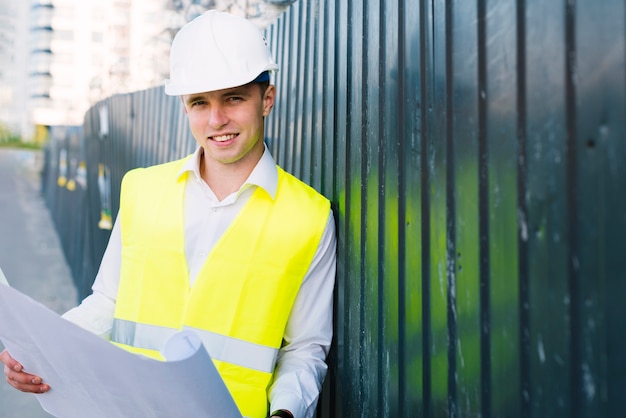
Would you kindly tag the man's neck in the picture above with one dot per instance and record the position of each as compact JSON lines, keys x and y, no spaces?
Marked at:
{"x":226,"y":179}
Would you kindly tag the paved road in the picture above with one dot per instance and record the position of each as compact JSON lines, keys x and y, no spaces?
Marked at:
{"x":30,"y":256}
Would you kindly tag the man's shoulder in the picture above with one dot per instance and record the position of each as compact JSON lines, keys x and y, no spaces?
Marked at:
{"x":297,"y":186}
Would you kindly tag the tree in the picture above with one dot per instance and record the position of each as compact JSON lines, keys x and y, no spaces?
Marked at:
{"x":189,"y":9}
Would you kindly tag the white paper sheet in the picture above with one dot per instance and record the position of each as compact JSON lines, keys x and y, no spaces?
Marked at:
{"x":91,"y":377}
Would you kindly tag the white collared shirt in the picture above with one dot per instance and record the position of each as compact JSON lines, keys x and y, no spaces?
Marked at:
{"x":301,"y":367}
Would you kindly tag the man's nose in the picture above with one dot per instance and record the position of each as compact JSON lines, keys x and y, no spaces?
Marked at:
{"x":217,"y":116}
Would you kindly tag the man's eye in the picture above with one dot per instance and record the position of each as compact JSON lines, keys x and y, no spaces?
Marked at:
{"x":234,"y":99}
{"x":198,"y":103}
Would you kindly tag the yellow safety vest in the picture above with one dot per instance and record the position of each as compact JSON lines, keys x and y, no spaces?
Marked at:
{"x":242,"y":298}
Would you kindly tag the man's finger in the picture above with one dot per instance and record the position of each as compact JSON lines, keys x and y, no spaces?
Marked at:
{"x":27,"y":383}
{"x":10,"y":362}
{"x":19,"y":379}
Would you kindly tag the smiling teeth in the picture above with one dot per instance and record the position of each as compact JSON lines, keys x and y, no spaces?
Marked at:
{"x":223,"y":138}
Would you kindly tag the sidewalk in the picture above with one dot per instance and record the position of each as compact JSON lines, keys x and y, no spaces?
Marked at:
{"x":30,"y":256}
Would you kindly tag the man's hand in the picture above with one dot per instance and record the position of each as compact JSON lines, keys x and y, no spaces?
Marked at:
{"x":18,"y":378}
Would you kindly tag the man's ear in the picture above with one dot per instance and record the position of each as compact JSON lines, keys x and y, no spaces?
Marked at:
{"x":268,"y":99}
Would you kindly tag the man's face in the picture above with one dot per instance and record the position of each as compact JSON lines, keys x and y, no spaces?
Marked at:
{"x":229,"y":123}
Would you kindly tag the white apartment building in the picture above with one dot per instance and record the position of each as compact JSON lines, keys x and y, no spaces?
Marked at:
{"x":13,"y":59}
{"x":59,"y":57}
{"x":96,"y":49}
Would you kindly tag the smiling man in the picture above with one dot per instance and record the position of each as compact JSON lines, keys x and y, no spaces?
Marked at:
{"x":223,"y":242}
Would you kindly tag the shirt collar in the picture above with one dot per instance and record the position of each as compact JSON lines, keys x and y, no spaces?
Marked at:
{"x":264,"y":174}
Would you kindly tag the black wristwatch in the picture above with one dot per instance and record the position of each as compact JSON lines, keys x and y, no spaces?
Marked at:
{"x":281,"y":413}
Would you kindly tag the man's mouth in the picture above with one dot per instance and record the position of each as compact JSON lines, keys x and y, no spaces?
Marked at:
{"x":222,"y":138}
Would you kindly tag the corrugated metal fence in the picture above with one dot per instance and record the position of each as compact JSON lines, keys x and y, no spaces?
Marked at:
{"x":474,"y":154}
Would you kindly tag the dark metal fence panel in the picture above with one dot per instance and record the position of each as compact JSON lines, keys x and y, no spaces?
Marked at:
{"x":470,"y":152}
{"x":119,"y":133}
{"x":64,"y":190}
{"x":596,"y":120}
{"x":473,"y":153}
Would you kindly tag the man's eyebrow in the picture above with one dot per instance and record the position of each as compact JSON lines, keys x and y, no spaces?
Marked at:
{"x":237,"y":91}
{"x":194,"y":97}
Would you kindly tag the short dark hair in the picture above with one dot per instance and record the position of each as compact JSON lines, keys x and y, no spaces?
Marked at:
{"x":263,"y":80}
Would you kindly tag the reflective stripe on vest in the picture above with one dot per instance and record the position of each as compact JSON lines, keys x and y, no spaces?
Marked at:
{"x":220,"y":347}
{"x":151,"y":337}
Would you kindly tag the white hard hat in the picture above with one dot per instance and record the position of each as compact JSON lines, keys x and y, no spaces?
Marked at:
{"x":217,"y":51}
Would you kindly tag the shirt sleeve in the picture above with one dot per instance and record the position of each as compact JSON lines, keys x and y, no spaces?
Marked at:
{"x":301,"y":367}
{"x":95,"y":313}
